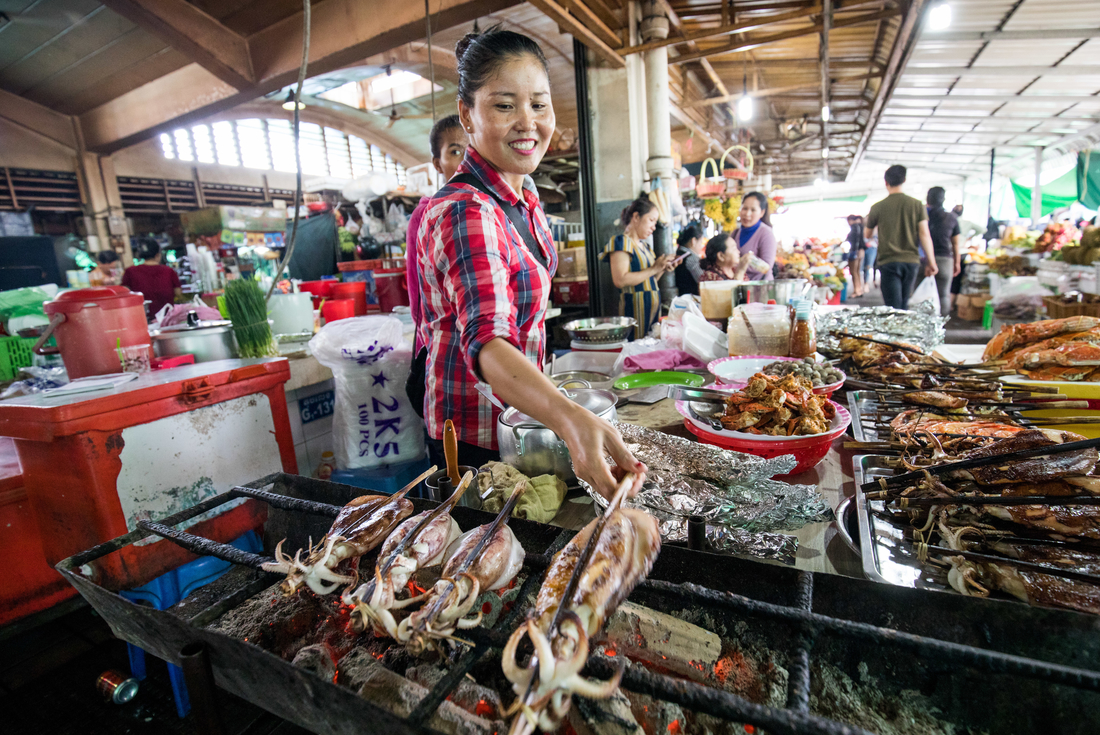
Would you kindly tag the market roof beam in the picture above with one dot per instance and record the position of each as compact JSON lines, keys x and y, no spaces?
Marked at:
{"x":776,"y":90}
{"x":571,"y":25}
{"x":904,"y":43}
{"x":757,"y":41}
{"x":1038,"y":34}
{"x":200,"y":37}
{"x":593,"y":22}
{"x":923,"y":116}
{"x":1000,"y":71}
{"x":37,"y":119}
{"x":344,"y":32}
{"x":1069,"y":99}
{"x":725,"y":30}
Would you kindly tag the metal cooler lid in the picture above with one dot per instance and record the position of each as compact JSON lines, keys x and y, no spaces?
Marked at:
{"x":154,"y":395}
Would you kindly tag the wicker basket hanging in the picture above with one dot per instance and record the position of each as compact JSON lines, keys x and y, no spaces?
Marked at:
{"x":712,"y":186}
{"x":740,"y":173}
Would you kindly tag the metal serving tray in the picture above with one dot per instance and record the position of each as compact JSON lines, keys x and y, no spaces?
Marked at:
{"x":884,"y":547}
{"x":860,"y":402}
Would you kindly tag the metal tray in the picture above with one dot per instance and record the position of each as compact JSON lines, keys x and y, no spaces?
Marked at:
{"x":883,"y":546}
{"x":859,"y":402}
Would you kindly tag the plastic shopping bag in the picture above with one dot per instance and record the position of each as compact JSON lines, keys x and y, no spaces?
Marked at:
{"x":373,"y":423}
{"x":926,"y":291}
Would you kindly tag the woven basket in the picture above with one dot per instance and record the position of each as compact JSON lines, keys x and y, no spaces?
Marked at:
{"x":713,"y":186}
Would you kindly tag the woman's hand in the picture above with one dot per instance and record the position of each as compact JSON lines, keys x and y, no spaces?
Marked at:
{"x":742,"y":265}
{"x":662,"y":265}
{"x":590,"y":439}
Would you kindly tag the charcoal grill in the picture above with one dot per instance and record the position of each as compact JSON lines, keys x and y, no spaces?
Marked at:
{"x":991,"y":665}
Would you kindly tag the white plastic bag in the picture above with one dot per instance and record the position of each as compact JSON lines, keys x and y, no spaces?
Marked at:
{"x":373,"y":424}
{"x":926,"y":291}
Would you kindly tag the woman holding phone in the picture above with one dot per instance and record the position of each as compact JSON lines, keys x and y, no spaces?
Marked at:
{"x":635,"y":268}
{"x":486,"y":257}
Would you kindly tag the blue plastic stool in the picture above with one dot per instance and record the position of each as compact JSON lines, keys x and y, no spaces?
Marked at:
{"x":168,"y":589}
{"x":386,"y":480}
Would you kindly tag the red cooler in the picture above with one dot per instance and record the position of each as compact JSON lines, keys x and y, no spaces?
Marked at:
{"x":94,"y":464}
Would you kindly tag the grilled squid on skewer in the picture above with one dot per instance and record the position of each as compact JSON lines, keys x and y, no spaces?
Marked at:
{"x":418,"y":543}
{"x":624,"y":552}
{"x":485,"y":558}
{"x":360,"y":526}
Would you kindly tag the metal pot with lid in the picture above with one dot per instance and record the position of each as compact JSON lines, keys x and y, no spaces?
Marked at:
{"x":206,"y":340}
{"x":533,"y":449}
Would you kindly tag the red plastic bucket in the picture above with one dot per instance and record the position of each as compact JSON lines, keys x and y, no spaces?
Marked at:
{"x":91,"y":324}
{"x":391,"y":288}
{"x":336,"y":309}
{"x":357,"y":291}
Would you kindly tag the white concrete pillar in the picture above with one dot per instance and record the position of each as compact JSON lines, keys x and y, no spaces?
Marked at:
{"x":654,"y":27}
{"x":1037,"y":189}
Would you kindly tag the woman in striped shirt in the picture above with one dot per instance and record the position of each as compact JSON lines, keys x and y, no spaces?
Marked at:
{"x":635,"y":268}
{"x":485,"y":283}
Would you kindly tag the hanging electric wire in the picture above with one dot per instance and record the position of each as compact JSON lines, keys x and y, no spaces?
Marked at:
{"x":297,"y":148}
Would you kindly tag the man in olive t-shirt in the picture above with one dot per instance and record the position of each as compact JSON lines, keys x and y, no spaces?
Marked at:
{"x":902,"y":223}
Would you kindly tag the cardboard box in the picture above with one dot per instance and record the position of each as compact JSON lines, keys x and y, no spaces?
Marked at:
{"x":969,"y":313}
{"x":572,"y":263}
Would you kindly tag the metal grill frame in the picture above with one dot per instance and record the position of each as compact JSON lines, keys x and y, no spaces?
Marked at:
{"x":309,"y":701}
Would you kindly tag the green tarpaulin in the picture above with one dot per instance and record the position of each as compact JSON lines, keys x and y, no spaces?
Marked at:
{"x":1088,"y":178}
{"x":1058,"y":194}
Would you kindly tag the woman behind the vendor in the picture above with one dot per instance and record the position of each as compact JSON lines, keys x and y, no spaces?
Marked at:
{"x":755,"y":236}
{"x":634,"y":266}
{"x":485,"y":284}
{"x":721,"y":260}
{"x":689,"y":251}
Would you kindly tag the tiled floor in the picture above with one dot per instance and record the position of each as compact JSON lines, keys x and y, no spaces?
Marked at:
{"x":48,"y":686}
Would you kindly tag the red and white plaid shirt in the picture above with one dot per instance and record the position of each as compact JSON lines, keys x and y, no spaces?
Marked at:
{"x":478,"y":281}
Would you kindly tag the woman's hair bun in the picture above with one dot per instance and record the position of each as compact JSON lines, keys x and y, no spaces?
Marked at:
{"x":464,"y":43}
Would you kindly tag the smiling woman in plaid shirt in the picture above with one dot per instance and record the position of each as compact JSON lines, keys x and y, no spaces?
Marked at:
{"x":484,"y":289}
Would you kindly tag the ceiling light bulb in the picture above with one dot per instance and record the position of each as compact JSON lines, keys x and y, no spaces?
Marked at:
{"x":825,"y":113}
{"x":939,"y":17}
{"x":824,"y":152}
{"x":288,"y":105}
{"x":744,"y":108}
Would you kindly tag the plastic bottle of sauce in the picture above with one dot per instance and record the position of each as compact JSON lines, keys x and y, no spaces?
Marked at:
{"x":327,"y":466}
{"x":803,"y":333}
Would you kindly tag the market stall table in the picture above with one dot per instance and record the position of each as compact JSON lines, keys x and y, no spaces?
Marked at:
{"x":820,"y":549}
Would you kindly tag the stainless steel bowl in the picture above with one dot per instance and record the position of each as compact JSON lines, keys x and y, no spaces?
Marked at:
{"x":589,"y":377}
{"x":600,"y":329}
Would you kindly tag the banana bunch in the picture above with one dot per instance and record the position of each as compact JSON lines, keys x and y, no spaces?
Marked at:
{"x":664,"y":207}
{"x":712,"y":208}
{"x":731,"y":211}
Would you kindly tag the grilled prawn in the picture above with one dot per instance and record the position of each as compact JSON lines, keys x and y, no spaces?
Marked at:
{"x":360,"y":526}
{"x":623,"y":555}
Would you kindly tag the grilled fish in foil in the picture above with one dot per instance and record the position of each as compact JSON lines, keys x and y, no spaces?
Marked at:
{"x":918,"y":326}
{"x":733,"y":492}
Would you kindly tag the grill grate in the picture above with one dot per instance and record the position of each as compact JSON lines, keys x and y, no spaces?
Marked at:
{"x":806,"y":627}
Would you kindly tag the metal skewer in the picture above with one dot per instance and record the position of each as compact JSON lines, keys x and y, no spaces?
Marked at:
{"x":984,"y":461}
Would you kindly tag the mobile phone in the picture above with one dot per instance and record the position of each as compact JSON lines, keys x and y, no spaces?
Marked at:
{"x":677,"y":260}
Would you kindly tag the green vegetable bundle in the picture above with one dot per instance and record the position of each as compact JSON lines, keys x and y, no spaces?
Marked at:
{"x":246,"y":306}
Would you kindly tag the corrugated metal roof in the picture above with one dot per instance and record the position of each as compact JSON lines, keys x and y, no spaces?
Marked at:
{"x":958,"y":116}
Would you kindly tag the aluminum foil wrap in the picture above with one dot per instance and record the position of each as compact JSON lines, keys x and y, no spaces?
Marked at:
{"x":733,"y":492}
{"x":727,"y":540}
{"x":919,"y":326}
